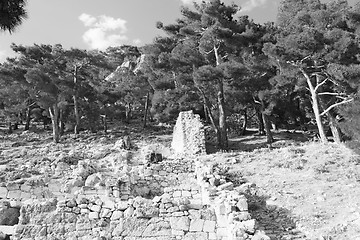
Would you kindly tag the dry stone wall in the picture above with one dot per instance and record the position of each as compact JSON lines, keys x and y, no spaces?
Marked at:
{"x":189,"y":135}
{"x":201,"y":206}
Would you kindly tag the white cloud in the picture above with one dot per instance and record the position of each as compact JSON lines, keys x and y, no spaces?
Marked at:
{"x":187,"y":2}
{"x":104,"y":31}
{"x":87,"y":19}
{"x":251,"y":4}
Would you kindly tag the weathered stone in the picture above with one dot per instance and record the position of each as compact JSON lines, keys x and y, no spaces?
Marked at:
{"x":196,"y":225}
{"x":122,"y":205}
{"x":92,"y":180}
{"x":189,"y":135}
{"x":105,"y":213}
{"x":242,"y":204}
{"x":196,"y":236}
{"x":94,"y":215}
{"x":180,"y":223}
{"x":9,"y":216}
{"x":129,"y":212}
{"x":116,"y":215}
{"x":209,"y":226}
{"x":14,"y":194}
{"x":157,"y":229}
{"x":3,"y":192}
{"x":95,"y":208}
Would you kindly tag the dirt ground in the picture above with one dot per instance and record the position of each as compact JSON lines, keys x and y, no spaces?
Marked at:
{"x":300,"y":189}
{"x":297,"y":188}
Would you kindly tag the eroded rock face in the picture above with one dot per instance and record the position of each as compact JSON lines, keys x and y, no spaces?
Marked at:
{"x":189,"y":135}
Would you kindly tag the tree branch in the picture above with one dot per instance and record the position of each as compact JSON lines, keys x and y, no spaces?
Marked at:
{"x":320,"y":84}
{"x":335,"y":105}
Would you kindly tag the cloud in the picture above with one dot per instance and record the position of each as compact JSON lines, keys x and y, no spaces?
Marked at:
{"x":104,"y":31}
{"x":190,"y":2}
{"x":251,"y":4}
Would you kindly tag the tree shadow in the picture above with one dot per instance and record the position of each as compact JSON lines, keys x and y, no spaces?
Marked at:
{"x":278,"y":223}
{"x":253,"y":141}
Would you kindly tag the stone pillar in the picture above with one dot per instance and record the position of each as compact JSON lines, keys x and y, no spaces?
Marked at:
{"x":188,"y":135}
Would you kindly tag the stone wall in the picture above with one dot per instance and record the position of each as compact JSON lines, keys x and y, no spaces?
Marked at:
{"x":188,"y":135}
{"x":201,"y":206}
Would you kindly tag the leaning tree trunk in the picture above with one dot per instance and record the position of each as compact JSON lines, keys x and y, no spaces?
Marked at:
{"x":54,"y":115}
{"x":146,"y":109}
{"x":76,"y":102}
{"x":316,"y":107}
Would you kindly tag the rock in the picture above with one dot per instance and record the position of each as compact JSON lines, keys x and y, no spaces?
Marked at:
{"x":180,"y":223}
{"x":129,"y":212}
{"x":260,"y":235}
{"x":84,"y":169}
{"x":117,"y":215}
{"x":9,"y":216}
{"x":196,"y":225}
{"x":92,"y":180}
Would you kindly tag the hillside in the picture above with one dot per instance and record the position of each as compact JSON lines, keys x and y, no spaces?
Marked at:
{"x":296,"y":189}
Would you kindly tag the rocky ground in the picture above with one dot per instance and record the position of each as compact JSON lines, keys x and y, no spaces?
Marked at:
{"x":300,"y":189}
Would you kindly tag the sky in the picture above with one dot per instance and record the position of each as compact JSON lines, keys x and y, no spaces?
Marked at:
{"x":95,"y":24}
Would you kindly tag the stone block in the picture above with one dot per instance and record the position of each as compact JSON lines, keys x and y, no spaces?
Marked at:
{"x":196,"y":225}
{"x":180,"y":223}
{"x":14,"y":194}
{"x":25,"y":187}
{"x":109,"y":204}
{"x":242,"y":204}
{"x":209,"y":226}
{"x":117,"y":215}
{"x":93,"y":215}
{"x":95,"y":208}
{"x":177,"y":232}
{"x":12,"y":186}
{"x":196,"y":236}
{"x":212,"y":236}
{"x":3,"y":192}
{"x":222,"y":232}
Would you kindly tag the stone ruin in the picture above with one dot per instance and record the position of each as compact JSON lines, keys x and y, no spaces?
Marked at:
{"x":137,"y":198}
{"x":189,"y":134}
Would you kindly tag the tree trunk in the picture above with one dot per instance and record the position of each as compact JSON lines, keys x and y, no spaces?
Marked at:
{"x":316,"y":108}
{"x":62,"y":124}
{"x":146,"y":109}
{"x":28,"y":118}
{"x":244,"y":125}
{"x":105,"y":123}
{"x":10,"y":129}
{"x":54,"y":114}
{"x":335,"y":130}
{"x":267,"y":125}
{"x":261,"y":130}
{"x":128,"y":112}
{"x":76,"y":103}
{"x":224,"y":145}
